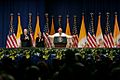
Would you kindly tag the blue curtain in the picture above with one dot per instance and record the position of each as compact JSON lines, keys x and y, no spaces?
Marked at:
{"x":55,"y":7}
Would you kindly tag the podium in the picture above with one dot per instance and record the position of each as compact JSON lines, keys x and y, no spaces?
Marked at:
{"x":60,"y":42}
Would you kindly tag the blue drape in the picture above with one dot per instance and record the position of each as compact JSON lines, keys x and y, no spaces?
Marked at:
{"x":55,"y":7}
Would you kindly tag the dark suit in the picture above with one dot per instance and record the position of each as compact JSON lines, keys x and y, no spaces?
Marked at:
{"x":26,"y":42}
{"x":40,"y":42}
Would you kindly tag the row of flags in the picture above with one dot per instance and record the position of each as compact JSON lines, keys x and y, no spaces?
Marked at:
{"x":99,"y":40}
{"x":13,"y":41}
{"x":88,"y":39}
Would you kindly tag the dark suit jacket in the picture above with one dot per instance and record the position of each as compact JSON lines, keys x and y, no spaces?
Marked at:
{"x":26,"y":42}
{"x":40,"y":43}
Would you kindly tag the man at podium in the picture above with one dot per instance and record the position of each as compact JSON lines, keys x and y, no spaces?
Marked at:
{"x":61,"y":39}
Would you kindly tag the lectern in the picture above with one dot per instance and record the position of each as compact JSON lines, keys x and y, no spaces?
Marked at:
{"x":60,"y":42}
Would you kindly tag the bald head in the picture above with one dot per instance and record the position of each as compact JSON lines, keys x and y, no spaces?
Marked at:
{"x":25,"y":31}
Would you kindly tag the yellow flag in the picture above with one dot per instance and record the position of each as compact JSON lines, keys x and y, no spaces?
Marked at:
{"x":52,"y":27}
{"x":116,"y":31}
{"x":19,"y":32}
{"x":99,"y":34}
{"x":37,"y":29}
{"x":68,"y":27}
{"x":82,"y":34}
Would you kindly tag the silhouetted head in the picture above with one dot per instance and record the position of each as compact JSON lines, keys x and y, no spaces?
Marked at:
{"x":69,"y":56}
{"x":5,"y":76}
{"x":32,"y":73}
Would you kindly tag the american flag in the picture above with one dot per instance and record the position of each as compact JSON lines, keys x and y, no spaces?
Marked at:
{"x":30,"y":29}
{"x":46,"y":32}
{"x":91,"y":36}
{"x":108,"y":38}
{"x":75,"y":41}
{"x":75,"y":36}
{"x":47,"y":40}
{"x":105,"y":41}
{"x":32,"y":38}
{"x":11,"y":41}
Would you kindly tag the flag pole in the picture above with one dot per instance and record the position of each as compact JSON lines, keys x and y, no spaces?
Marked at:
{"x":11,"y":41}
{"x":46,"y":24}
{"x":92,"y":19}
{"x":107,"y":14}
{"x":75,"y":25}
{"x":11,"y":23}
{"x":59,"y":21}
{"x":30,"y":22}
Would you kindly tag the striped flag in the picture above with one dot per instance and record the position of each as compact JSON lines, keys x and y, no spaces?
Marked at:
{"x":106,"y":44}
{"x":91,"y":36}
{"x":30,"y":29}
{"x":19,"y":31}
{"x":47,"y":40}
{"x":11,"y":41}
{"x":11,"y":38}
{"x":75,"y":36}
{"x":32,"y":38}
{"x":91,"y":40}
{"x":75,"y":41}
{"x":68,"y":26}
{"x":82,"y":34}
{"x":108,"y":38}
{"x":48,"y":43}
{"x":99,"y":35}
{"x":105,"y":41}
{"x":116,"y":31}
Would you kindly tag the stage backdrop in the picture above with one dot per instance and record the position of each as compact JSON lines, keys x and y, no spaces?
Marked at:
{"x":54,"y":7}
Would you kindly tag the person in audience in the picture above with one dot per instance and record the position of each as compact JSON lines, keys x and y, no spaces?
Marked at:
{"x":40,"y":41}
{"x":5,"y":76}
{"x":115,"y":73}
{"x":26,"y":39}
{"x":72,"y":69}
{"x":32,"y":73}
{"x":72,"y":66}
{"x":43,"y":70}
